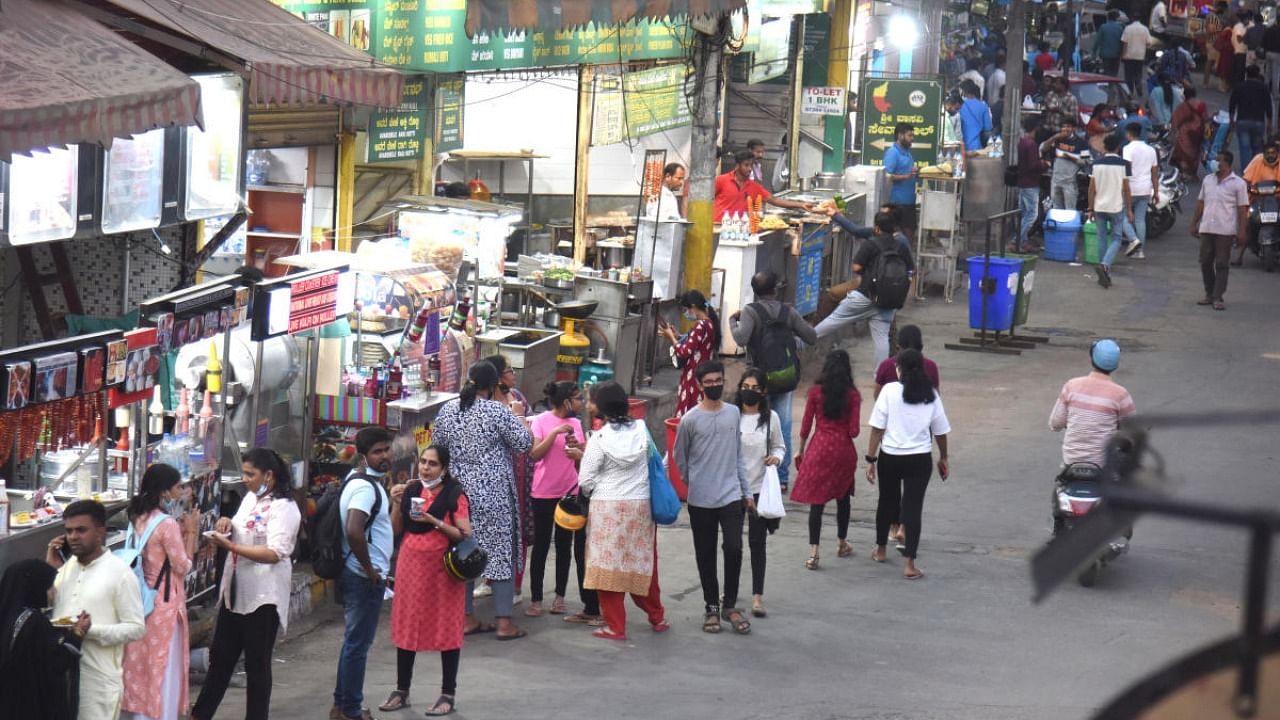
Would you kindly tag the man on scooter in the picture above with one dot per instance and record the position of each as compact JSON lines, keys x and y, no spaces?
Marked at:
{"x":1264,"y":168}
{"x":1089,"y":408}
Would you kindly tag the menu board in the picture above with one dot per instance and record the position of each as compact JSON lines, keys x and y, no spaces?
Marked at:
{"x":42,"y":197}
{"x":133,"y":176}
{"x":400,"y":134}
{"x":214,"y":155}
{"x":639,"y":103}
{"x":809,"y":270}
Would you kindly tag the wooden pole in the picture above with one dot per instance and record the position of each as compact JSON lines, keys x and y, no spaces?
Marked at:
{"x":699,"y":241}
{"x":581,"y":160}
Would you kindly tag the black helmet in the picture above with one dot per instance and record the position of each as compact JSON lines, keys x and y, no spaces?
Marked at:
{"x":466,"y":560}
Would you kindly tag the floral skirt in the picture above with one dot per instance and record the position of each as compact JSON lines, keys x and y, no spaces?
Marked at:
{"x":620,"y":545}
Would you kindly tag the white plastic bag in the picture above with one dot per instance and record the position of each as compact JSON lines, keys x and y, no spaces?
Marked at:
{"x":770,"y":506}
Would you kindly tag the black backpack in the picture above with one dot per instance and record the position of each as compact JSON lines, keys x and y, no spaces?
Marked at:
{"x":773,"y":349}
{"x":327,"y":557}
{"x":890,"y":282}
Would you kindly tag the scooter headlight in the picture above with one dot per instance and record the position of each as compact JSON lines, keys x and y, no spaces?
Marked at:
{"x":1064,"y":503}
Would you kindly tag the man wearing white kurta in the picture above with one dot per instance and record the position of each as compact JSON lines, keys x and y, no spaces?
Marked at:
{"x":99,"y":584}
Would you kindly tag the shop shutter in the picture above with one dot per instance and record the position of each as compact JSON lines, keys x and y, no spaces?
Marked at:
{"x":293,"y":126}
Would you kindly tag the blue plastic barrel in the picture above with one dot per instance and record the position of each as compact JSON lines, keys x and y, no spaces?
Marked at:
{"x":1003,"y":273}
{"x":1061,"y":228}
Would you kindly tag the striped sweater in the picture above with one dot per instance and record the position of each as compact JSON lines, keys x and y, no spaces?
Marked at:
{"x":1089,"y":408}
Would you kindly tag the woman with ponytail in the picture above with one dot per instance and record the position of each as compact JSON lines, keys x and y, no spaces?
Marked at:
{"x":907,"y":418}
{"x":480,"y":435}
{"x":701,"y":344}
{"x":155,"y":667}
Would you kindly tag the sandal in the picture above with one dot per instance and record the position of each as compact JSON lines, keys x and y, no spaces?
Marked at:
{"x":446,"y":700}
{"x":480,"y":628}
{"x":513,"y":636}
{"x":845,"y":549}
{"x":557,"y":606}
{"x":741,"y":625}
{"x":660,"y":627}
{"x":534,"y":610}
{"x":757,"y":610}
{"x":877,"y":559}
{"x":711,"y":623}
{"x":607,"y":634}
{"x":812,"y":562}
{"x":584,"y":619}
{"x":397,"y":700}
{"x":918,"y":574}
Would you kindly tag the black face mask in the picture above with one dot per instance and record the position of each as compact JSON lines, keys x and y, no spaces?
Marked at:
{"x":714,"y":392}
{"x":750,"y":397}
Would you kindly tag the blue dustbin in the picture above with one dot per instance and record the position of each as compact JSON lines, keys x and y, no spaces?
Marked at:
{"x":1003,"y":275}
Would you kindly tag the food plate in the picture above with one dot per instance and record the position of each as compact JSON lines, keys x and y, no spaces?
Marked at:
{"x":63,"y":622}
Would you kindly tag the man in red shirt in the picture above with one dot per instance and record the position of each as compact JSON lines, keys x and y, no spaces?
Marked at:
{"x":734,"y":187}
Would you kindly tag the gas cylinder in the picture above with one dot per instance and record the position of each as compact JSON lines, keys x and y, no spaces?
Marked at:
{"x":574,"y":349}
{"x":596,"y":370}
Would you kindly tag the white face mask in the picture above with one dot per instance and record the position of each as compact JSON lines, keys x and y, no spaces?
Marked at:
{"x":374,"y":473}
{"x":262,"y":490}
{"x":171,"y":507}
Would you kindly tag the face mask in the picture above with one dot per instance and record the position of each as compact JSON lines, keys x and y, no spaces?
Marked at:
{"x":713,"y":393}
{"x":690,"y":317}
{"x":261,"y":490}
{"x":375,"y":473}
{"x":751,"y":397}
{"x":171,"y":507}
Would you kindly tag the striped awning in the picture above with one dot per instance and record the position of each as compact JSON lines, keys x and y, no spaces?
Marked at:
{"x":289,"y":61}
{"x":66,"y":79}
{"x":492,"y":15}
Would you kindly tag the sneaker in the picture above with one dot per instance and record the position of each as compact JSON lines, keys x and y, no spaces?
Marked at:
{"x":1104,"y":276}
{"x":1134,"y":246}
{"x":482,"y":590}
{"x":1139,"y":255}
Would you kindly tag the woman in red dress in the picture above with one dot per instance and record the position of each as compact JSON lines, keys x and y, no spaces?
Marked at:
{"x":428,"y":609}
{"x":826,"y":468}
{"x":699,"y":346}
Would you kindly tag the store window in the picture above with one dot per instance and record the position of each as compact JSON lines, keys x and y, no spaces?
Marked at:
{"x":42,"y":195}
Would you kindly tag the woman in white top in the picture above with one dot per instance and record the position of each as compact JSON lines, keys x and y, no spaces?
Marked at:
{"x":760,"y":434}
{"x":908,"y":416}
{"x":254,"y":597}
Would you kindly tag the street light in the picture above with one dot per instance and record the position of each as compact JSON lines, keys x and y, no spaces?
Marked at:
{"x":903,"y":32}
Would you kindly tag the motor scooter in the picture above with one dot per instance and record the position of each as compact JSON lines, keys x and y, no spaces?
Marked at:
{"x":1163,"y":214}
{"x":1076,"y":491}
{"x":1264,"y":223}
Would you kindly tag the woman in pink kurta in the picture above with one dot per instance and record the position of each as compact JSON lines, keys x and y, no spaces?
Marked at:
{"x":155,"y":667}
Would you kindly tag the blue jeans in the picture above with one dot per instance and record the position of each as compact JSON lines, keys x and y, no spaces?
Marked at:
{"x":856,"y":306}
{"x":781,"y":404}
{"x":1029,"y":203}
{"x":1249,"y":135}
{"x":361,"y":602}
{"x":1110,"y":232}
{"x":1138,"y":228}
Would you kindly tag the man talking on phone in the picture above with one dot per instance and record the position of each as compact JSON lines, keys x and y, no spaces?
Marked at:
{"x":94,"y":584}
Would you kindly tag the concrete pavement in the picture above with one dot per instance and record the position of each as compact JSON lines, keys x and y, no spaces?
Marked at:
{"x":855,"y":640}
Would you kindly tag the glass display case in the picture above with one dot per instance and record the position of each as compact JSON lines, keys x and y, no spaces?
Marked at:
{"x":214,"y":155}
{"x":42,"y":196}
{"x":132,"y":179}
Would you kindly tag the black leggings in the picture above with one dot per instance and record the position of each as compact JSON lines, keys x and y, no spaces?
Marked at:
{"x":449,"y":661}
{"x":843,"y":508}
{"x":758,"y":530}
{"x":903,"y":480}
{"x":544,"y":530}
{"x":254,"y":635}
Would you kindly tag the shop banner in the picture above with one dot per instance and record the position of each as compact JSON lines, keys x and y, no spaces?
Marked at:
{"x":430,"y":36}
{"x":822,"y":100}
{"x":400,"y":134}
{"x":449,"y":112}
{"x":655,"y":100}
{"x":885,"y":103}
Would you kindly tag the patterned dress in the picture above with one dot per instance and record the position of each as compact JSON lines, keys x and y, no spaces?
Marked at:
{"x":696,"y":348}
{"x":830,"y":459}
{"x":145,"y":660}
{"x":427,"y":611}
{"x":480,"y":443}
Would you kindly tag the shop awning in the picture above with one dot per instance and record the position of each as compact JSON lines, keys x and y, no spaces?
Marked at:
{"x":569,"y":14}
{"x":290,"y":62}
{"x":68,"y":80}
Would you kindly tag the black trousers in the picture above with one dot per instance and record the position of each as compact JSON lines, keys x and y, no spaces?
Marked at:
{"x":449,"y":662}
{"x":254,"y":635}
{"x":705,"y":524}
{"x":569,"y":545}
{"x":758,"y":530}
{"x":844,"y":506}
{"x":903,"y":480}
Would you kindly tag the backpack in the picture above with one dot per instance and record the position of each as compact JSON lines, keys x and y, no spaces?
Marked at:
{"x":890,"y":282}
{"x":327,"y":557}
{"x":131,"y":554}
{"x":773,"y":349}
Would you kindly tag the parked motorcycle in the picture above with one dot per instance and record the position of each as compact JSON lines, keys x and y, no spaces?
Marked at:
{"x":1163,"y":214}
{"x":1077,"y":491}
{"x":1264,"y":224}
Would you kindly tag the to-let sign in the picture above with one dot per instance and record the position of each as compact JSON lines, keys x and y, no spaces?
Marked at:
{"x":313,"y":302}
{"x":822,"y":100}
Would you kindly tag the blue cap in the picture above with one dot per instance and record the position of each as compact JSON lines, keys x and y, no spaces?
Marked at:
{"x":1105,"y":355}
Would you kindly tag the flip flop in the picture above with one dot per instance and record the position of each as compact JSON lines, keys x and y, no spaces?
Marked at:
{"x":481,"y":629}
{"x":605,"y":634}
{"x":917,"y":576}
{"x":583,"y":619}
{"x":513,"y":636}
{"x":876,"y":559}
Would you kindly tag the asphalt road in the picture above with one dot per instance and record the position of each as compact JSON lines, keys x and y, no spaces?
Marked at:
{"x":854,"y":639}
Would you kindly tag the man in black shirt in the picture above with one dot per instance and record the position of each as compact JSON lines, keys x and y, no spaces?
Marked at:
{"x":1251,"y":113}
{"x":857,"y":305}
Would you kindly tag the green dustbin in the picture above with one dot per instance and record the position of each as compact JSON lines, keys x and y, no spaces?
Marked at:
{"x":1026,"y":280}
{"x":1092,"y":253}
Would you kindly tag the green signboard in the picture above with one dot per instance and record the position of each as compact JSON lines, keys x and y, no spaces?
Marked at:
{"x":655,"y":100}
{"x":430,"y":36}
{"x":884,"y":103}
{"x":449,"y":107}
{"x":399,"y":134}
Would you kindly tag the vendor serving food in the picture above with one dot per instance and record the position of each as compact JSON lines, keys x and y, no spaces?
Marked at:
{"x":734,"y":187}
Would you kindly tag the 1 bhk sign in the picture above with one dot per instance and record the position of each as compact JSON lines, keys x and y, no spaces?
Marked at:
{"x":822,"y":100}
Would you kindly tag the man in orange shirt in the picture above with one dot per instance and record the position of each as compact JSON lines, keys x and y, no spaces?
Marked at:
{"x":1264,"y":167}
{"x":734,"y":187}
